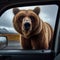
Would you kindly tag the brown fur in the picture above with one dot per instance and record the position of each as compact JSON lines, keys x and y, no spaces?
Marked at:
{"x":40,"y":36}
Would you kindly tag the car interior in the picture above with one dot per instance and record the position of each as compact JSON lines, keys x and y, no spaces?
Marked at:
{"x":10,"y":44}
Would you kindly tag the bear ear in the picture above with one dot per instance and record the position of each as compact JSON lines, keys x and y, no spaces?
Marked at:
{"x":37,"y":10}
{"x":15,"y":10}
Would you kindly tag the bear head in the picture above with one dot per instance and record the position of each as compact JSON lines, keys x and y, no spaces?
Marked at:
{"x":26,"y":21}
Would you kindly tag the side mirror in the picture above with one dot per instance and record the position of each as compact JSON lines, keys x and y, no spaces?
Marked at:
{"x":3,"y":42}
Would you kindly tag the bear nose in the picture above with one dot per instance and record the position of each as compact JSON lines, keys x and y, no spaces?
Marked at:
{"x":27,"y":26}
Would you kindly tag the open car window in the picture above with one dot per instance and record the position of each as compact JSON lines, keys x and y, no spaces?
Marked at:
{"x":48,"y":14}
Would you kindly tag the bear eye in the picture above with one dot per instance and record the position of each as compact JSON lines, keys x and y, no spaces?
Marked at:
{"x":21,"y":18}
{"x":32,"y":18}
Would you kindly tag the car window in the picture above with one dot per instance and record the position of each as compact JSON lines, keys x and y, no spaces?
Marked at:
{"x":48,"y":14}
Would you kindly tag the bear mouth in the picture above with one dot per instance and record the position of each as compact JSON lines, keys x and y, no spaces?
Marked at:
{"x":27,"y":31}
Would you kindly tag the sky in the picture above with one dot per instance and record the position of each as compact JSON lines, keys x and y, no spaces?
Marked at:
{"x":48,"y":13}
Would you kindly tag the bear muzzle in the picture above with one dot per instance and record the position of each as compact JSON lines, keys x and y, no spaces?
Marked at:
{"x":27,"y":26}
{"x":26,"y":29}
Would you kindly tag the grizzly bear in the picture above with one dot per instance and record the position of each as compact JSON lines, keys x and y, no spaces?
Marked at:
{"x":34,"y":33}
